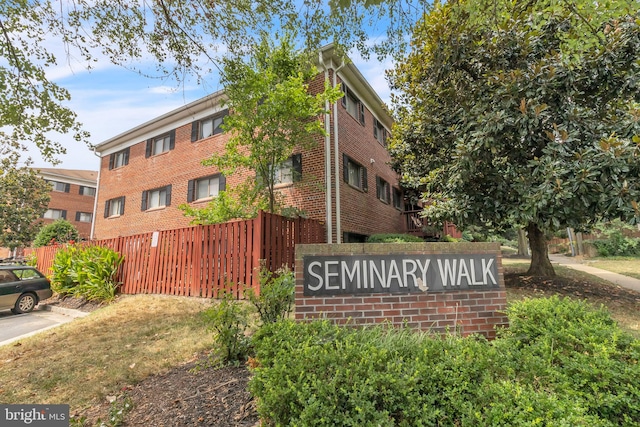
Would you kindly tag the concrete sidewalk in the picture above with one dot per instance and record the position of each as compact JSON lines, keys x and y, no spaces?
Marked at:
{"x":618,"y":279}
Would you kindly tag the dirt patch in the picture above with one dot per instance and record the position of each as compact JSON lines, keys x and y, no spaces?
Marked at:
{"x":74,"y":303}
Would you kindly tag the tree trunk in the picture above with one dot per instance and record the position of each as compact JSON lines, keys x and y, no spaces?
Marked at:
{"x":540,"y":264}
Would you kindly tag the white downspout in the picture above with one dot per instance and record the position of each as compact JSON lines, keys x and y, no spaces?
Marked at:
{"x":95,"y":200}
{"x":337,"y":159}
{"x":327,"y":157}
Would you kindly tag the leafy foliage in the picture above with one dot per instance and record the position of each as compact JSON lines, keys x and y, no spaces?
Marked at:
{"x":276,"y":297}
{"x":86,"y":272}
{"x":522,"y":114}
{"x":24,"y":197}
{"x":226,"y":206}
{"x":614,"y":242}
{"x":561,"y":363}
{"x":272,"y":113}
{"x":59,"y":231}
{"x":229,"y":320}
{"x":393,"y":238}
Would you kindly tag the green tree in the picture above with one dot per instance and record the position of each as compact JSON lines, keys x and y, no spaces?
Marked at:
{"x":59,"y":231}
{"x":272,"y":114}
{"x":24,"y":197}
{"x":522,"y":113}
{"x":182,"y":37}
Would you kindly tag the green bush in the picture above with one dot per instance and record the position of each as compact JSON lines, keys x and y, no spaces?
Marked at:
{"x":615,"y":243}
{"x":88,"y":272}
{"x":394,"y":238}
{"x":59,"y":231}
{"x":276,"y":297}
{"x":229,"y":320}
{"x":561,"y":363}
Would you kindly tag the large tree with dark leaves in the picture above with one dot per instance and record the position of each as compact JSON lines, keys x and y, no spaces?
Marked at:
{"x":522,"y":113}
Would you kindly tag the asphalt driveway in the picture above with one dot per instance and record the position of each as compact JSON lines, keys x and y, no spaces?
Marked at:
{"x":16,"y":326}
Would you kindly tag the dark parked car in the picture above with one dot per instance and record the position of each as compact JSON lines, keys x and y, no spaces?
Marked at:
{"x":22,"y":288}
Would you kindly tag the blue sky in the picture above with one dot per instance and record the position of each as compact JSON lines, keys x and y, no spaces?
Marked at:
{"x":110,"y":100}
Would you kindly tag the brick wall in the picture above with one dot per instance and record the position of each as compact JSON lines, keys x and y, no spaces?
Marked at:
{"x":466,"y":312}
{"x":72,"y":202}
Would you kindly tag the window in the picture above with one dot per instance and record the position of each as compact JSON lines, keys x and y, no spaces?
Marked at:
{"x":114,"y":207}
{"x":119,"y":159}
{"x":380,"y":132}
{"x":205,"y":187}
{"x":156,"y":198}
{"x":84,"y":216}
{"x":397,"y":199}
{"x":352,"y":104}
{"x":55,"y":214}
{"x":207,"y":127}
{"x":60,"y":186}
{"x":354,"y":173}
{"x":289,"y":171}
{"x":383,"y":190}
{"x":87,"y":191}
{"x":160,"y":144}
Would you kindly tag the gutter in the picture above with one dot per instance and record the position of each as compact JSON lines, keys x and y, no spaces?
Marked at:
{"x":337,"y":159}
{"x":95,"y":200}
{"x":327,"y":157}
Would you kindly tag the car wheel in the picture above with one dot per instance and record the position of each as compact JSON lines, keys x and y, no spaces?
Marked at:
{"x":25,"y":303}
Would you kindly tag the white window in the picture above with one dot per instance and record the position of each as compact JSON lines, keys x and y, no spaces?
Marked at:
{"x":84,"y":217}
{"x":115,"y":207}
{"x":59,"y":186}
{"x":352,"y":104}
{"x":284,"y":172}
{"x":87,"y":191}
{"x":207,"y":187}
{"x":160,"y":145}
{"x":119,"y":159}
{"x":207,"y":127}
{"x":156,"y":198}
{"x":383,"y":190}
{"x":380,"y":132}
{"x":54,"y":214}
{"x":354,"y":173}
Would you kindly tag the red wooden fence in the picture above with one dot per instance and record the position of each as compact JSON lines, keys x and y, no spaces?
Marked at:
{"x":203,"y":260}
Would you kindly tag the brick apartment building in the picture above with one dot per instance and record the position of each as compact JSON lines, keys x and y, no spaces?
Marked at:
{"x":72,"y":197}
{"x":345,"y":180}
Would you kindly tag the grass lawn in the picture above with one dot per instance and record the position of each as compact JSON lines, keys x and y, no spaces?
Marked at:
{"x":82,"y":362}
{"x":627,"y":266}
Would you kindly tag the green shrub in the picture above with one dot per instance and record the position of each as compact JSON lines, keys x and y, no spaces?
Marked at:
{"x":394,"y":238}
{"x":561,"y":363}
{"x":229,"y":319}
{"x":59,"y":231}
{"x":88,"y":272}
{"x":276,"y":297}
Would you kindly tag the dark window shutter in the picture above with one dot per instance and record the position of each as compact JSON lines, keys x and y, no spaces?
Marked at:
{"x":126,"y":156}
{"x":168,"y":198}
{"x":343,"y":87}
{"x":345,"y":168}
{"x":80,"y":189}
{"x":77,"y":216}
{"x":195,"y":128}
{"x":361,"y":106}
{"x":378,"y":185}
{"x":64,"y":214}
{"x":222,"y":183}
{"x":191,"y":189}
{"x":143,"y":205}
{"x":106,"y":208}
{"x":375,"y":128}
{"x":111,"y":160}
{"x":388,"y":193}
{"x":147,"y":152}
{"x":365,"y":183}
{"x":122,"y":205}
{"x":67,"y":188}
{"x":296,"y":161}
{"x":172,"y":139}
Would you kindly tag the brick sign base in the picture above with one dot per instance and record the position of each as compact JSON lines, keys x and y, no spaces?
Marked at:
{"x":476,"y":309}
